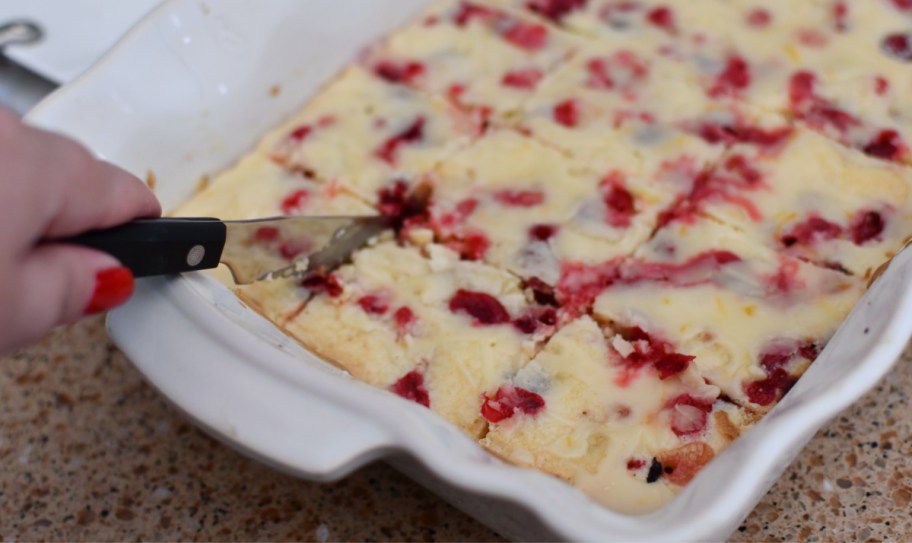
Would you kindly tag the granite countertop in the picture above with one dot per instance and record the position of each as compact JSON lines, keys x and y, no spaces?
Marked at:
{"x":91,"y":452}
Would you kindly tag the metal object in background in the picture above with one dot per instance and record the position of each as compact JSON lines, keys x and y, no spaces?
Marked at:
{"x":19,"y":32}
{"x":20,"y":88}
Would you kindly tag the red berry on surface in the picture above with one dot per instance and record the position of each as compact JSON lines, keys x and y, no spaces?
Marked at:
{"x":555,"y":10}
{"x":526,"y":78}
{"x":373,"y":304}
{"x":413,"y":133}
{"x":543,"y":232}
{"x":759,"y":18}
{"x":887,"y":144}
{"x":869,"y":225}
{"x":482,"y":307}
{"x":733,"y":79}
{"x":266,"y":234}
{"x":294,"y":203}
{"x":405,"y":73}
{"x":509,"y":401}
{"x":530,"y":37}
{"x":567,"y":113}
{"x":411,"y":387}
{"x":663,"y":18}
{"x":898,"y":46}
{"x":520,"y":198}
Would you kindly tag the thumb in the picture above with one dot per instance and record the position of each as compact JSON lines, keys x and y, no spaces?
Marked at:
{"x":60,"y":283}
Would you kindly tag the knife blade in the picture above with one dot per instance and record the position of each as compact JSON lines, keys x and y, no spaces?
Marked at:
{"x":253,"y":250}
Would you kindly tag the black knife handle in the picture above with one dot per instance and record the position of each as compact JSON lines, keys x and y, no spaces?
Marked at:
{"x":160,"y":246}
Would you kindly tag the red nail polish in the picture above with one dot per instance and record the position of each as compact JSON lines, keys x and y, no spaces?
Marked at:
{"x":113,"y":287}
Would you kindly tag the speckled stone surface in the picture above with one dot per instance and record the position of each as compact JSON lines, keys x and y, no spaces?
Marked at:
{"x":90,"y":452}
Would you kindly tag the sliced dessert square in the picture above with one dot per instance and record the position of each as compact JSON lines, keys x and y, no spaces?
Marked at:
{"x":526,"y":207}
{"x":812,"y":199}
{"x":424,"y":324}
{"x":626,"y":431}
{"x":363,"y":133}
{"x":478,"y":55}
{"x":752,"y":319}
{"x":840,"y":67}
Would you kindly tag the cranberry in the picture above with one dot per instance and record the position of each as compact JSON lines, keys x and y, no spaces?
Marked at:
{"x":542,"y":292}
{"x":813,"y":109}
{"x":663,"y":18}
{"x":373,"y":304}
{"x":809,"y":351}
{"x":555,"y":10}
{"x":730,"y":134}
{"x":801,"y":87}
{"x":766,"y":391}
{"x":867,"y":226}
{"x":291,"y":249}
{"x":530,"y":37}
{"x":326,"y":283}
{"x":840,"y":14}
{"x":740,"y":166}
{"x":520,"y":198}
{"x":580,"y":284}
{"x":567,"y":113}
{"x":526,"y":78}
{"x":484,"y":308}
{"x":466,"y":207}
{"x":300,"y":133}
{"x":672,"y":364}
{"x":411,"y":387}
{"x":811,"y":37}
{"x":759,"y":18}
{"x":888,"y":145}
{"x":391,"y":200}
{"x":470,"y":246}
{"x":903,"y":5}
{"x":774,"y":359}
{"x":635,"y":464}
{"x":777,"y":356}
{"x":455,"y":93}
{"x":405,"y":73}
{"x":620,"y":206}
{"x":404,"y":318}
{"x":812,"y":230}
{"x":266,"y":234}
{"x":413,"y":133}
{"x":649,"y":350}
{"x":881,"y":85}
{"x":543,"y":232}
{"x":460,"y":213}
{"x":733,"y":79}
{"x":689,"y":414}
{"x":599,"y":74}
{"x":509,"y":401}
{"x":898,"y":46}
{"x":535,"y":319}
{"x":295,"y":202}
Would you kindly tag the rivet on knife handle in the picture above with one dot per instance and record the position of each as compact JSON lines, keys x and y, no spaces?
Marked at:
{"x":160,"y":246}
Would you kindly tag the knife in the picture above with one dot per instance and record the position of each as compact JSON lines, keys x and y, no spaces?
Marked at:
{"x":252,"y":250}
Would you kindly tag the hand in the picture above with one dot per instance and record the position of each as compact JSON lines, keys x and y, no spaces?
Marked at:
{"x":50,"y":188}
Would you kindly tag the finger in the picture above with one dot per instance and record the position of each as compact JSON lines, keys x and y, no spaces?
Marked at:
{"x":58,"y":284}
{"x":69,"y":191}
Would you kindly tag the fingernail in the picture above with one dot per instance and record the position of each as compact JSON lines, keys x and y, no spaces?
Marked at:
{"x":113,"y":287}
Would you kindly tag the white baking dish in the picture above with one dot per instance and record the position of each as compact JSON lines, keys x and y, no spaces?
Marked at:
{"x":185,"y":94}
